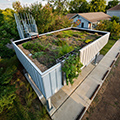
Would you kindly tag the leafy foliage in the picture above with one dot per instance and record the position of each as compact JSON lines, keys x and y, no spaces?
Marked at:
{"x":71,"y":68}
{"x":59,"y":6}
{"x":97,"y":5}
{"x":60,"y":42}
{"x":111,"y":4}
{"x":36,"y":46}
{"x":38,"y":54}
{"x":78,"y":6}
{"x":65,"y":49}
{"x":115,"y":18}
{"x":8,"y":28}
{"x":5,"y":52}
{"x":7,"y":94}
{"x":46,"y":19}
{"x":112,"y":27}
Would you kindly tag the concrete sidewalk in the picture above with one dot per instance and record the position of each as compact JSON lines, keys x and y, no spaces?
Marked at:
{"x":77,"y":102}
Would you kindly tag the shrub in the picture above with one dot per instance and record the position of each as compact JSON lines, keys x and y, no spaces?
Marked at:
{"x":112,"y":27}
{"x":60,"y":42}
{"x":45,"y":19}
{"x":64,"y":50}
{"x":67,"y":34}
{"x":34,"y":46}
{"x":27,"y":45}
{"x":38,"y":54}
{"x":71,"y":68}
{"x":5,"y":52}
{"x":115,"y":18}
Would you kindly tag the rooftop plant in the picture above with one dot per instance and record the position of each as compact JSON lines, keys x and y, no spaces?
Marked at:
{"x":47,"y":48}
{"x":71,"y":68}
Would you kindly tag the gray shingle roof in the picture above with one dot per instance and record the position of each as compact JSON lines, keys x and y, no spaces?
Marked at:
{"x":117,"y":7}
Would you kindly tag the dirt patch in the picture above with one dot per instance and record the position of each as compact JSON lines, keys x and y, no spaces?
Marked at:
{"x":106,"y":105}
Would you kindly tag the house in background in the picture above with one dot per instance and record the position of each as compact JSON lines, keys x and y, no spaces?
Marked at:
{"x":114,"y":11}
{"x":88,"y":20}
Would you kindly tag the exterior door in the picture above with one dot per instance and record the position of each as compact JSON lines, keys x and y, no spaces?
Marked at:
{"x":82,"y":25}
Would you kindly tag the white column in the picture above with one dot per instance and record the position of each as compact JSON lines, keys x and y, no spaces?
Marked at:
{"x":49,"y":105}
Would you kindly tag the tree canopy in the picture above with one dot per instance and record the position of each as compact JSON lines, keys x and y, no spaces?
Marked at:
{"x":78,"y":6}
{"x":46,"y":19}
{"x":59,"y":6}
{"x":97,"y":5}
{"x":112,"y":4}
{"x":112,"y":27}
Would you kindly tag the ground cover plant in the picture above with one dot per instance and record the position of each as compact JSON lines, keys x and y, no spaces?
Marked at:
{"x":46,"y":49}
{"x":107,"y":47}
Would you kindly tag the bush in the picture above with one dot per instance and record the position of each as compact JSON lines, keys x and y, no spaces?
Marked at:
{"x":60,"y":42}
{"x":34,"y":46}
{"x":71,"y":68}
{"x":112,"y":27}
{"x":64,"y":50}
{"x":45,"y":19}
{"x":38,"y":54}
{"x":115,"y":18}
{"x":5,"y":52}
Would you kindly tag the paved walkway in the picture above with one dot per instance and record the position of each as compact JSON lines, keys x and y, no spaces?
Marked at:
{"x":76,"y":103}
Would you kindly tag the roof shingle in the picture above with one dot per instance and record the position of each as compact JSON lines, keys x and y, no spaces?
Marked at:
{"x":95,"y":16}
{"x":91,"y":16}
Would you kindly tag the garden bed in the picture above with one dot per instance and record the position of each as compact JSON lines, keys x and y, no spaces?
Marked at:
{"x":46,"y":50}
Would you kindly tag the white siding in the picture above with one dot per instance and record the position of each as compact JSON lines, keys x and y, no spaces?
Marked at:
{"x":88,"y":53}
{"x":114,"y":13}
{"x":48,"y":82}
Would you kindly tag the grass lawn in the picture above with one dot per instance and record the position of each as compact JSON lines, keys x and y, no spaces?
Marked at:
{"x":107,"y":47}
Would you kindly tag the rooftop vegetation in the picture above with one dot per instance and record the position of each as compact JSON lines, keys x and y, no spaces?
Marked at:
{"x":46,"y":49}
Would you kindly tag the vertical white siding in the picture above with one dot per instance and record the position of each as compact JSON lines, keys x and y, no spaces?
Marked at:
{"x":88,"y":53}
{"x":48,"y":82}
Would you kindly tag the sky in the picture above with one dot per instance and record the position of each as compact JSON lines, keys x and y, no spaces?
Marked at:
{"x":8,"y":3}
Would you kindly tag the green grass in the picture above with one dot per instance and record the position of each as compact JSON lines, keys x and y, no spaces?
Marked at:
{"x":107,"y":47}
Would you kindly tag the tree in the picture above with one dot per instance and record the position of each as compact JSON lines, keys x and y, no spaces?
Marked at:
{"x":112,"y":27}
{"x":46,"y":19}
{"x":112,"y":4}
{"x":59,"y":6}
{"x":8,"y":28}
{"x":1,"y":18}
{"x":97,"y":5}
{"x":17,"y":6}
{"x":78,"y":6}
{"x":115,"y":18}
